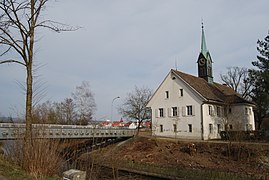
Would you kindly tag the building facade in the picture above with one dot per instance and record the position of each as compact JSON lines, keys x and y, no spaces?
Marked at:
{"x":190,"y":107}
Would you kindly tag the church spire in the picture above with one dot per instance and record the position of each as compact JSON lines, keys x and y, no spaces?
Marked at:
{"x":204,"y":61}
{"x":203,"y":42}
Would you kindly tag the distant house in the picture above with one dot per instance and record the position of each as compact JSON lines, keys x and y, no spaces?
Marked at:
{"x":186,"y":106}
{"x":117,"y":124}
{"x":133,"y":125}
{"x":146,"y":124}
{"x":106,"y":124}
{"x":126,"y":125}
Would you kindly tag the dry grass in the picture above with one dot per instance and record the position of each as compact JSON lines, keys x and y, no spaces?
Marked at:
{"x":10,"y":171}
{"x":168,"y":157}
{"x":41,"y":159}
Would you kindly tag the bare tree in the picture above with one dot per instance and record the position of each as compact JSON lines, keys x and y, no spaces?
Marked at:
{"x":44,"y":113}
{"x":84,"y":102}
{"x":68,"y":111}
{"x":19,"y":20}
{"x":55,"y":113}
{"x":237,"y":79}
{"x":135,"y":105}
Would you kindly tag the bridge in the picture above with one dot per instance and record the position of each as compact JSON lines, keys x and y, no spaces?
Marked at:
{"x":10,"y":131}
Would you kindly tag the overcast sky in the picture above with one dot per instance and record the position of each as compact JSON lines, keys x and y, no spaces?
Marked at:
{"x":126,"y":43}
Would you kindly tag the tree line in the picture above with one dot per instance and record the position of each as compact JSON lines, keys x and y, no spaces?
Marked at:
{"x":253,"y":84}
{"x":77,"y":109}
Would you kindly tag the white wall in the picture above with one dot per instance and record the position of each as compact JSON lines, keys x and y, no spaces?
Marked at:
{"x":240,"y":116}
{"x":215,"y":118}
{"x":175,"y":99}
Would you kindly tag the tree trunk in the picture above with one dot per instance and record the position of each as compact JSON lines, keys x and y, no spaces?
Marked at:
{"x":28,"y":116}
{"x":29,"y":79}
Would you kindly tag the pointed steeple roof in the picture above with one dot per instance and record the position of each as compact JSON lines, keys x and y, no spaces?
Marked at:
{"x":204,"y":50}
{"x":204,"y":60}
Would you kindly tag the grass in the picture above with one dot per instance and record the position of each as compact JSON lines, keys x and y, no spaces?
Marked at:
{"x":183,"y":172}
{"x":40,"y":164}
{"x":10,"y":171}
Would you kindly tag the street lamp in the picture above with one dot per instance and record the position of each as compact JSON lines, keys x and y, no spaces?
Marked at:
{"x":112,"y":107}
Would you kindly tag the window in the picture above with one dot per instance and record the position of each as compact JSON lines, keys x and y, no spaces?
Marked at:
{"x":209,"y":71}
{"x":230,"y":126}
{"x":218,"y":111}
{"x":230,"y":110}
{"x":161,"y":112}
{"x":247,"y":110}
{"x":189,"y":110}
{"x":210,"y":110}
{"x":202,"y":71}
{"x":218,"y":125}
{"x":175,"y":127}
{"x":190,"y":127}
{"x":161,"y":128}
{"x":166,"y":94}
{"x":174,"y":111}
{"x":249,"y":127}
{"x":210,"y":128}
{"x":181,"y":92}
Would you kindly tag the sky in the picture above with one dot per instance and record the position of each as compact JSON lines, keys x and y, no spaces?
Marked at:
{"x":126,"y":43}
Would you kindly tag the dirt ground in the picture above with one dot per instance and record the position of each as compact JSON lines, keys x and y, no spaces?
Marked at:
{"x":239,"y":157}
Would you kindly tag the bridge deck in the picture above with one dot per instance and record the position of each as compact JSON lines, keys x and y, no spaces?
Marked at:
{"x":15,"y":131}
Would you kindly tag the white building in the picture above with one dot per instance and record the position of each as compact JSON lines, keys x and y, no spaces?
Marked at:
{"x":186,"y":106}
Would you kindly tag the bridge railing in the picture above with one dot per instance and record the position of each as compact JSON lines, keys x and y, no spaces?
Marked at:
{"x":15,"y":131}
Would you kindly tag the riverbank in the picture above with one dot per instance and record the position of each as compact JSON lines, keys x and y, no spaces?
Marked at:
{"x":184,"y":159}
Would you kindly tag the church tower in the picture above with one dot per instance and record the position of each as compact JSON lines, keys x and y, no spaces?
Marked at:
{"x":205,"y":61}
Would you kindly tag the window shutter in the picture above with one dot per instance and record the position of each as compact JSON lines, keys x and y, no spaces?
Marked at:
{"x":222,"y":112}
{"x":183,"y":111}
{"x":169,"y":112}
{"x":178,"y":111}
{"x":156,"y":113}
{"x":193,"y":110}
{"x":214,"y":111}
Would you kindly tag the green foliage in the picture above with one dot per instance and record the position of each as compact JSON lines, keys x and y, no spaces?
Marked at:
{"x":260,"y":79}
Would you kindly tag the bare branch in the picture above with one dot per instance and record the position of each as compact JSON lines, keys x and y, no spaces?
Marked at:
{"x":56,"y":26}
{"x":18,"y":22}
{"x":237,"y":79}
{"x":135,"y":104}
{"x":12,"y":61}
{"x":6,"y":51}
